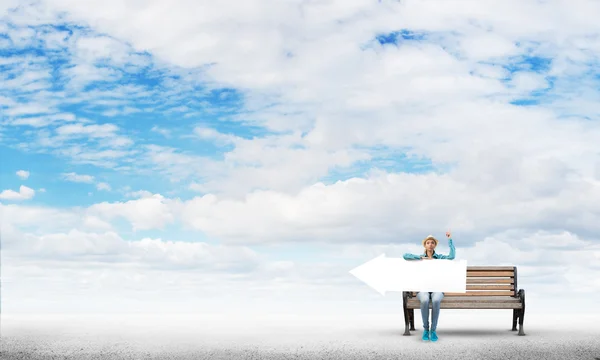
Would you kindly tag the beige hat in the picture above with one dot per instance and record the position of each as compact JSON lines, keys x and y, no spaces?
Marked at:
{"x":430,"y":237}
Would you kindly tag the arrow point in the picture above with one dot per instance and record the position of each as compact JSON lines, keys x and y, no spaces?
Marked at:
{"x":371,"y":273}
{"x":367,"y":266}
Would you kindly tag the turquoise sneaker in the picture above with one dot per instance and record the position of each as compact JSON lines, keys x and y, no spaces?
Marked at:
{"x":434,"y":336}
{"x":426,"y":335}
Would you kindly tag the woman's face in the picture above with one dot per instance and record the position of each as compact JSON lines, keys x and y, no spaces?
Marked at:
{"x":429,"y":244}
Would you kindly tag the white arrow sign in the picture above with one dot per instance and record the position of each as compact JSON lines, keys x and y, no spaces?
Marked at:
{"x":396,"y":274}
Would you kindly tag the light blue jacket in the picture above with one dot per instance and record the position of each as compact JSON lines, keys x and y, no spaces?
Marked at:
{"x":408,"y":256}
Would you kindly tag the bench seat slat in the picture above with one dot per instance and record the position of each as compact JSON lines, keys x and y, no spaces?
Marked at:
{"x":491,"y":299}
{"x":477,"y":293}
{"x":480,"y":289}
{"x":490,"y":274}
{"x":489,"y":281}
{"x":472,"y":305}
{"x":481,"y":293}
{"x":490,"y":287}
{"x":492,"y":268}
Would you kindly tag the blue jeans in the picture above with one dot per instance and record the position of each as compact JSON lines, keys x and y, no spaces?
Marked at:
{"x":436,"y":299}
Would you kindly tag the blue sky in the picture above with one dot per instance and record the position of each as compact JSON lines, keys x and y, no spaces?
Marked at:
{"x":293,"y":142}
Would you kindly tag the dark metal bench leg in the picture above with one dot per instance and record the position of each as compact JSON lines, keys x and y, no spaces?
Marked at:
{"x":522,"y":312}
{"x":515,"y":317}
{"x":521,"y":332}
{"x":406,"y":322}
{"x":412,"y":319}
{"x":406,"y":314}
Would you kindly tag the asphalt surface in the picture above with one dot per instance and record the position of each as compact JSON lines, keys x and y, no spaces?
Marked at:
{"x":189,"y":337}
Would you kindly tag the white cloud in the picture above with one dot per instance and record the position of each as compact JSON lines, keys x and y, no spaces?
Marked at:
{"x":28,"y":109}
{"x":5,"y":43}
{"x":82,"y":74}
{"x":529,"y":82}
{"x":196,"y":187}
{"x":89,"y":155}
{"x":36,"y":76}
{"x":103,"y":186}
{"x":212,"y":134}
{"x":46,"y":219}
{"x":377,"y":209}
{"x":373,"y":210}
{"x":94,"y":131}
{"x":23,"y":174}
{"x":25,"y":193}
{"x":21,"y":37}
{"x":139,"y":194}
{"x":177,"y":165}
{"x":163,"y":132}
{"x":152,"y":212}
{"x":55,"y":40}
{"x":93,"y":49}
{"x":488,"y":45}
{"x":80,"y":178}
{"x":108,"y":247}
{"x":279,"y":163}
{"x":5,"y":101}
{"x":43,"y":121}
{"x":95,"y":223}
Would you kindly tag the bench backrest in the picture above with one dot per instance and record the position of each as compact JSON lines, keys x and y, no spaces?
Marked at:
{"x":489,"y":281}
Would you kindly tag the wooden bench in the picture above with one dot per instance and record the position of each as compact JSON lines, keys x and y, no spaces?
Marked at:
{"x":488,"y":287}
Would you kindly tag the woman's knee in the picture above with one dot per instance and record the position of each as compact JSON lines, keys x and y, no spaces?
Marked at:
{"x":437,"y":297}
{"x":423,"y":296}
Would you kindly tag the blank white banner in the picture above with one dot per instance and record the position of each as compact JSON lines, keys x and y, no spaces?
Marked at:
{"x":396,"y":274}
{"x":433,"y":275}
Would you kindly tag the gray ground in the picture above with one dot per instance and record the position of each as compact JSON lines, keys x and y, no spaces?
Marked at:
{"x":481,"y":335}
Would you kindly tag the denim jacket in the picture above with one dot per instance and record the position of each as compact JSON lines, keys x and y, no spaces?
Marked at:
{"x":408,"y":256}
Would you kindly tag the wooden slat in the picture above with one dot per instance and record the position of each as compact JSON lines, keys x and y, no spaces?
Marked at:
{"x":490,"y":281}
{"x":474,"y":281}
{"x":481,"y":306}
{"x":490,"y":287}
{"x":481,"y":293}
{"x":492,"y":299}
{"x":470,"y":305}
{"x":490,"y":274}
{"x":493,"y":268}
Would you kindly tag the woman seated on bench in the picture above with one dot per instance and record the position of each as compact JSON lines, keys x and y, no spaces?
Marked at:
{"x":430,"y":243}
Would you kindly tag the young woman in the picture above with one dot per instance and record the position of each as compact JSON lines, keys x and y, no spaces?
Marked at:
{"x":430,"y":243}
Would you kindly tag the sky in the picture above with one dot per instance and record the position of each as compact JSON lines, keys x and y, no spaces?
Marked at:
{"x":245,"y":156}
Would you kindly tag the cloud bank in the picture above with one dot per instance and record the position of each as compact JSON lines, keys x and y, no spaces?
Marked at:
{"x":255,"y":152}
